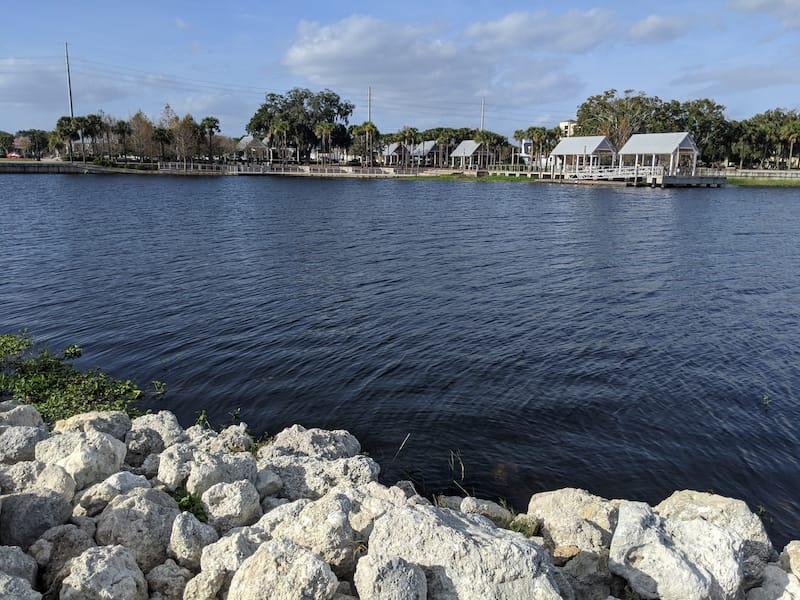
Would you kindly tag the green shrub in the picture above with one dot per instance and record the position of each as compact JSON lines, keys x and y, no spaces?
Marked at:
{"x":54,"y":386}
{"x":189,"y":503}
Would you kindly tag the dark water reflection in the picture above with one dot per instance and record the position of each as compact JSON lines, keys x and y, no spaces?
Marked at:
{"x":618,"y":340}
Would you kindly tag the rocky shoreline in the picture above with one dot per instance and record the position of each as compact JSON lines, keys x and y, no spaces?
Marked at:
{"x":105,"y":507}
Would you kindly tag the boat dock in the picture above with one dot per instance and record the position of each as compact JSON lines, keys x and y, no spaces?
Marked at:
{"x":625,"y":176}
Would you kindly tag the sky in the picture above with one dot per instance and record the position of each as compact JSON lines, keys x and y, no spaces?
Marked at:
{"x":428,"y":63}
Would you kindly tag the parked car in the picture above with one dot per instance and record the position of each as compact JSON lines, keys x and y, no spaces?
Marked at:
{"x":13,"y":155}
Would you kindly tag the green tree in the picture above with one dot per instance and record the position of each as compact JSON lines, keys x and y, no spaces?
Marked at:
{"x":122,"y":129}
{"x":209,"y":126}
{"x":616,"y":117}
{"x":6,"y":141}
{"x":791,"y":133}
{"x":68,"y":131}
{"x":302,"y":110}
{"x":279,"y":130}
{"x":92,"y":128}
{"x":163,"y":137}
{"x":324,"y":131}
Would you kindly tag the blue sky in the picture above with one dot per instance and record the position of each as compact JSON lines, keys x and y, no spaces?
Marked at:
{"x":429,"y":63}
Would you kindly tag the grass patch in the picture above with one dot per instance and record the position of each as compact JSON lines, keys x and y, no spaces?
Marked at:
{"x":51,"y":384}
{"x":758,"y":182}
{"x":189,"y":503}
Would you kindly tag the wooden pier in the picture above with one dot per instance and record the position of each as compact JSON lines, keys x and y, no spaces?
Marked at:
{"x":623,"y":176}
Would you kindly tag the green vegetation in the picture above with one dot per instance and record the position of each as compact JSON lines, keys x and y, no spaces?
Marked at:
{"x":190,"y":503}
{"x":54,"y":386}
{"x":751,"y":182}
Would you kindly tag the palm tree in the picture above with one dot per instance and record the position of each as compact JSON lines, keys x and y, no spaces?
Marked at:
{"x":93,"y":126}
{"x":324,"y":132}
{"x":409,"y":135}
{"x":122,"y":129}
{"x":484,"y":138}
{"x":791,"y":133}
{"x":209,"y":125}
{"x":520,"y":135}
{"x":66,"y":129}
{"x":370,"y":132}
{"x":163,"y":136}
{"x":280,"y":129}
{"x":80,"y":126}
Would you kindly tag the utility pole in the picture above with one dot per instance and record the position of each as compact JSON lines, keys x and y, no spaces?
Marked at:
{"x":69,"y":82}
{"x":483,"y":110}
{"x":369,"y":104}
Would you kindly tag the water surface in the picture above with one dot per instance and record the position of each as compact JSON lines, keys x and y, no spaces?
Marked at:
{"x":615,"y":339}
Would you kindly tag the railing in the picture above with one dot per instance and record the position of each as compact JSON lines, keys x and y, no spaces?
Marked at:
{"x":193,"y":167}
{"x":614,"y":172}
{"x":751,"y":173}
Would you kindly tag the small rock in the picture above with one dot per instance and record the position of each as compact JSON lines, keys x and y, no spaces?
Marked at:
{"x":103,"y":573}
{"x":168,"y":581}
{"x":25,"y":517}
{"x":230,"y":505}
{"x":14,"y":562}
{"x":14,"y":414}
{"x":113,"y":422}
{"x":187,"y":540}
{"x":790,"y":558}
{"x":18,"y":443}
{"x":389,"y":579}
{"x":491,"y":510}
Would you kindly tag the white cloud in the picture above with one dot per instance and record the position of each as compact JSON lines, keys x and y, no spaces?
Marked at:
{"x":739,"y":79}
{"x":786,"y":11}
{"x":571,"y":32}
{"x":181,"y":24}
{"x":655,"y":29}
{"x":420,"y":75}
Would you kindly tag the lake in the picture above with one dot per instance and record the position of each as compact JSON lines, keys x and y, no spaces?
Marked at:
{"x":532,"y":336}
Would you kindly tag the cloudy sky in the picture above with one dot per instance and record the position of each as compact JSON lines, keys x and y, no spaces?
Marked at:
{"x":429,"y":62}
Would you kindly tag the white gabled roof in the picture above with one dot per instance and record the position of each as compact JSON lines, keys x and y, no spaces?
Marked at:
{"x":248,"y":142}
{"x":465,"y":148}
{"x":391,"y":149}
{"x":423,"y":148}
{"x":659,"y":143}
{"x":587,"y":144}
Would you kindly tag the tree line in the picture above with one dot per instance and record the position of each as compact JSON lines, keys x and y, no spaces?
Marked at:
{"x":301,"y":122}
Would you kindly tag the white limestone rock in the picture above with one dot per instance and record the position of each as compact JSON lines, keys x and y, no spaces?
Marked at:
{"x":18,"y":443}
{"x":26,"y":516}
{"x":141,"y":520}
{"x":451,"y":502}
{"x":675,"y":560}
{"x":499,"y":515}
{"x":32,"y":475}
{"x":322,"y":526}
{"x":17,"y":588}
{"x":369,"y":502}
{"x":151,"y":434}
{"x":174,"y":465}
{"x":167,"y":581}
{"x":14,"y":562}
{"x":776,"y":584}
{"x":232,"y":439}
{"x":102,"y":573}
{"x":574,"y":517}
{"x":89,"y":457}
{"x":790,"y":558}
{"x":389,"y":579}
{"x":187,"y":540}
{"x":307,"y":477}
{"x":230,"y":505}
{"x":220,"y":560}
{"x":94,"y":499}
{"x":283,"y":570}
{"x":54,"y":550}
{"x":463,"y":556}
{"x":14,"y":414}
{"x":316,"y":443}
{"x":268,"y":483}
{"x":731,"y":515}
{"x":115,"y":423}
{"x":207,"y":469}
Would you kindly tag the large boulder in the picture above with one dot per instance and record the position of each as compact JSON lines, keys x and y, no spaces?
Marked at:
{"x":113,"y":422}
{"x":88,"y":456}
{"x":675,"y":560}
{"x":187,"y":540}
{"x":790,"y":558}
{"x":94,"y":499}
{"x":317,"y":443}
{"x":185,"y":465}
{"x":54,"y":550}
{"x":17,"y":588}
{"x":141,"y":520}
{"x":25,"y":517}
{"x":102,"y":573}
{"x":31,"y":475}
{"x":230,"y":505}
{"x":731,"y":515}
{"x":389,"y":579}
{"x":151,"y":434}
{"x":463,"y":556}
{"x":14,"y":562}
{"x":776,"y":584}
{"x":167,"y":581}
{"x":18,"y":443}
{"x":283,"y":570}
{"x":13,"y":414}
{"x":308,"y":477}
{"x":323,"y":527}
